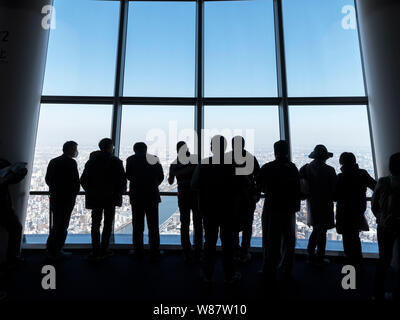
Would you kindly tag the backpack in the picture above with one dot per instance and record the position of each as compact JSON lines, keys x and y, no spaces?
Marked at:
{"x":390,"y":205}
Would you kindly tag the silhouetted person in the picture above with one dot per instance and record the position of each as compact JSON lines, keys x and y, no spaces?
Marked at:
{"x":145,"y":174}
{"x":215,"y":181}
{"x":351,"y":204}
{"x":8,"y":220}
{"x":320,"y":179}
{"x":247,"y":169}
{"x":104,"y":181}
{"x":386,"y":208}
{"x":280,"y":181}
{"x":182,"y":168}
{"x":62,"y":177}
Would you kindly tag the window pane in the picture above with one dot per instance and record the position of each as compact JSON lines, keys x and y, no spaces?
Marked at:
{"x":82,"y":48}
{"x":169,"y":220}
{"x":37,"y":218}
{"x":340,"y":128}
{"x":160,"y":58}
{"x":322,"y":48}
{"x":160,"y":127}
{"x":85,"y":124}
{"x":239,"y":49}
{"x":259,"y":125}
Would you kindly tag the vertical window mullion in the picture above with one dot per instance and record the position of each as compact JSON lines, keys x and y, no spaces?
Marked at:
{"x":281,"y":72}
{"x":199,"y":108}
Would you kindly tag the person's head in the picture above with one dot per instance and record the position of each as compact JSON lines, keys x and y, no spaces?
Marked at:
{"x":140,"y":148}
{"x":394,"y":164}
{"x":320,"y":153}
{"x":218,"y":145}
{"x":281,"y":149}
{"x":106,"y":145}
{"x":181,"y":146}
{"x":238,"y":143}
{"x":70,"y":149}
{"x":347,"y":159}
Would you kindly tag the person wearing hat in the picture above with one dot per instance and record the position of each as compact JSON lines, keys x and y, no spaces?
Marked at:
{"x":318,"y":184}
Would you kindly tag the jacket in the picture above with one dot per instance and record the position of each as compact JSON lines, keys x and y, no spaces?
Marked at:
{"x":145,"y":174}
{"x":280,"y":181}
{"x":104,"y":180}
{"x":351,"y":198}
{"x":321,"y":179}
{"x":62,"y":177}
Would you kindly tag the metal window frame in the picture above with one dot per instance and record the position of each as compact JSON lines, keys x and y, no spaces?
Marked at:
{"x":199,"y":101}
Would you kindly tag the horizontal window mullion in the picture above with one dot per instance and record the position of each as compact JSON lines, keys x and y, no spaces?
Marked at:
{"x":327,"y":101}
{"x":76,"y":100}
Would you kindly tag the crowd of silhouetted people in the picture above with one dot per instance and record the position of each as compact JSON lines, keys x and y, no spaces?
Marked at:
{"x":221,"y":193}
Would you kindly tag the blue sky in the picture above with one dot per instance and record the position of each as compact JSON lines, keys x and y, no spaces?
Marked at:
{"x":322,"y":60}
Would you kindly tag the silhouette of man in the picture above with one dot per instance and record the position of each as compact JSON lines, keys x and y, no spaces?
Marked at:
{"x":145,"y":174}
{"x":321,"y":181}
{"x":215,"y":181}
{"x":351,"y":204}
{"x":386,"y":208}
{"x":62,"y":177}
{"x":8,"y":220}
{"x":104,"y":181}
{"x":247,"y":169}
{"x":182,"y":168}
{"x":280,"y":181}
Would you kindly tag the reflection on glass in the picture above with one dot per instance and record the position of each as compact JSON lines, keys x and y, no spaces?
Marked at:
{"x":258,"y":125}
{"x":239,"y":49}
{"x":160,"y":127}
{"x":160,"y":57}
{"x":322,"y":48}
{"x":82,"y":48}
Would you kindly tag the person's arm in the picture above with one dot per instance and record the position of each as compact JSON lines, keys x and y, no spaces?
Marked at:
{"x":129,"y":170}
{"x":16,"y":177}
{"x":296,"y":183}
{"x":171,"y":175}
{"x":85,"y":178}
{"x":75,"y":175}
{"x":50,"y":173}
{"x":159,"y":172}
{"x":369,"y":181}
{"x":120,"y":173}
{"x":376,"y":199}
{"x":260,"y":181}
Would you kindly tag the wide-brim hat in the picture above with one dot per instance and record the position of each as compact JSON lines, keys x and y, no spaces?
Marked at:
{"x":320,"y":152}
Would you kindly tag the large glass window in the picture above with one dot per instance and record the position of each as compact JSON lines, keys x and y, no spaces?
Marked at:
{"x":239,"y":49}
{"x":322,"y":49}
{"x":259,"y":125}
{"x":82,"y":48}
{"x":239,"y":68}
{"x":160,"y":127}
{"x":85,"y":124}
{"x":160,"y":56}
